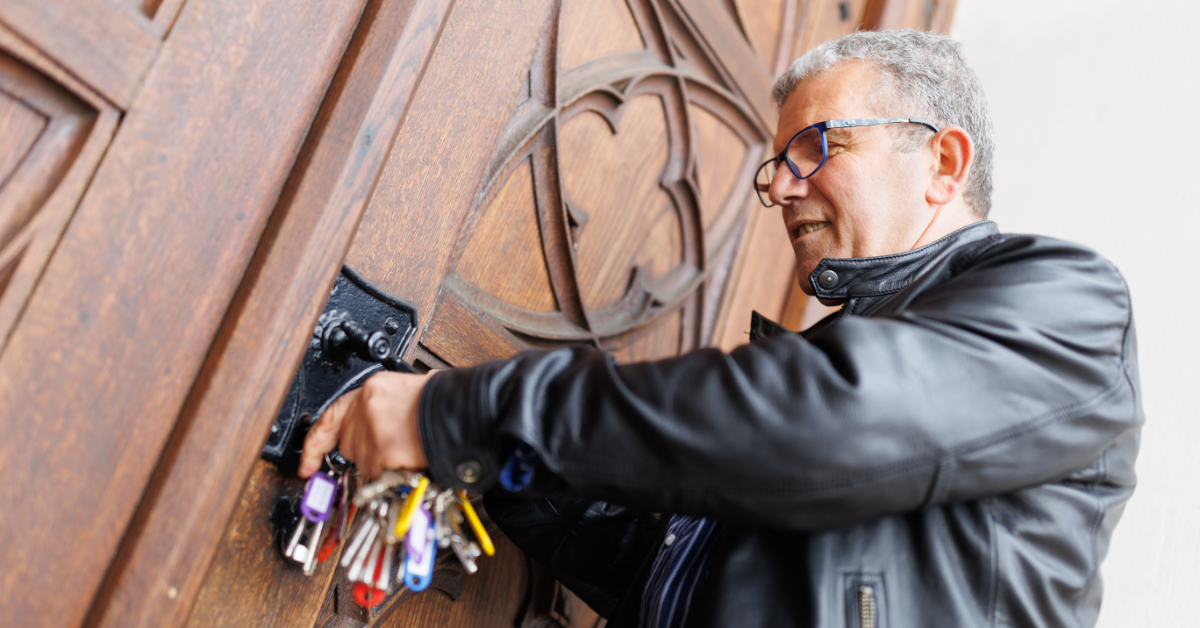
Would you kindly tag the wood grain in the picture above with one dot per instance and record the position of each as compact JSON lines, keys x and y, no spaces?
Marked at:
{"x":225,"y":422}
{"x":165,"y":329}
{"x":238,"y":591}
{"x":614,"y":178}
{"x":934,"y":15}
{"x":458,"y":336}
{"x":764,"y":22}
{"x":108,"y":46}
{"x":594,"y":29}
{"x":505,"y":258}
{"x":131,"y":300}
{"x":406,"y":238}
{"x":20,"y":127}
{"x":40,"y":190}
{"x":743,"y":67}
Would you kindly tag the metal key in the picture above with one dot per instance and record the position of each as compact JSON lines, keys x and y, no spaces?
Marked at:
{"x":360,"y":537}
{"x":386,"y":482}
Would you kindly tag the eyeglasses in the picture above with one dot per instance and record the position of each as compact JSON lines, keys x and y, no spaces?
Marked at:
{"x":807,"y":151}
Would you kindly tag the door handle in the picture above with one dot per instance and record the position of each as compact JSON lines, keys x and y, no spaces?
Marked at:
{"x":361,"y":331}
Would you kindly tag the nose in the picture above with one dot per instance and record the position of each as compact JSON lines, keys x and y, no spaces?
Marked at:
{"x":786,"y":188}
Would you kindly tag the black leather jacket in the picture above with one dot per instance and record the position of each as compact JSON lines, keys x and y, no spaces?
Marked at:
{"x":953,"y":449}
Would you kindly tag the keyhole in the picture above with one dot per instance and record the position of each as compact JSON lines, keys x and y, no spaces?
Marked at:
{"x":844,"y":10}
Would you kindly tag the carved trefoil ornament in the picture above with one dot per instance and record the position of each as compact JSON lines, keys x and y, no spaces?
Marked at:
{"x":618,"y":194}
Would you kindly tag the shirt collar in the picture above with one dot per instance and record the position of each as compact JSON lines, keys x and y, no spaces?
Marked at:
{"x":841,"y":279}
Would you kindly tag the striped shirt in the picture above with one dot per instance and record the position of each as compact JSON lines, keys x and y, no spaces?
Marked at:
{"x":678,"y":571}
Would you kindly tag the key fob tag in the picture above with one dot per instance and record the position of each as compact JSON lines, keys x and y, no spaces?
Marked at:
{"x":421,"y":550}
{"x":318,"y":497}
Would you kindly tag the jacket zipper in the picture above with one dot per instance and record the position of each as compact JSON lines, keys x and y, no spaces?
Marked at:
{"x":866,"y":607}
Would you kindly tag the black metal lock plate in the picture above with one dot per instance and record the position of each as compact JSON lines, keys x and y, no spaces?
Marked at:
{"x":362,"y":331}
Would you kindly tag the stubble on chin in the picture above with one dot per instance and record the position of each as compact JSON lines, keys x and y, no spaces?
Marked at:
{"x":809,"y":254}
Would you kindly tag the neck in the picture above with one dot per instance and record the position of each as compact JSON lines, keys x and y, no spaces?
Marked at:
{"x":946,"y":220}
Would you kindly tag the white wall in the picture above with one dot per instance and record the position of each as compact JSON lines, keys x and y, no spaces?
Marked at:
{"x":1096,"y":107}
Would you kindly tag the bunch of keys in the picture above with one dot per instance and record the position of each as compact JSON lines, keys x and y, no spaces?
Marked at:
{"x":405,"y":521}
{"x":324,"y":516}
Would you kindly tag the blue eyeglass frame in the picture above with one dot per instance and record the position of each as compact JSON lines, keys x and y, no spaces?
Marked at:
{"x":821,"y":128}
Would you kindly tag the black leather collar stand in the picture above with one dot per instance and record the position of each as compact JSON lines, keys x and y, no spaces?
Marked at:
{"x":848,"y":278}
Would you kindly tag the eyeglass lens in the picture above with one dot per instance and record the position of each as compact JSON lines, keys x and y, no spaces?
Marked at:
{"x":762,"y":182}
{"x":805,"y":154}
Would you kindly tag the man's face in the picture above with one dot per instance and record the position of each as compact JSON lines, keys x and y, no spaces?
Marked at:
{"x":868,"y":199}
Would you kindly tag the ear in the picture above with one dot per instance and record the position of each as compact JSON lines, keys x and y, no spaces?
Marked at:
{"x":952,"y":152}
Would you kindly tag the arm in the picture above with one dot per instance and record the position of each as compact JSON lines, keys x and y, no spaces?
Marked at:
{"x":1015,"y":372}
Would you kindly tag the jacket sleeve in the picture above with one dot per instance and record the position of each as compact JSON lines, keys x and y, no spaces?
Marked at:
{"x":1012,"y":369}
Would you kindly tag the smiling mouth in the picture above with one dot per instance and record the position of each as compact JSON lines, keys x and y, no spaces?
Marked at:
{"x":810,"y":227}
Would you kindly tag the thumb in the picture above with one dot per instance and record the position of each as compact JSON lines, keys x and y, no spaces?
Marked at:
{"x":325,"y":433}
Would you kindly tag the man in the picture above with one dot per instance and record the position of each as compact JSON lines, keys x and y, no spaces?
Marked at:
{"x":952,"y":448}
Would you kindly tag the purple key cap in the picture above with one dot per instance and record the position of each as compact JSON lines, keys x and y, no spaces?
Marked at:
{"x":318,"y":497}
{"x":419,"y":532}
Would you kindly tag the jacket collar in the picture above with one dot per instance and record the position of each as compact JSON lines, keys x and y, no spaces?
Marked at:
{"x":841,"y":279}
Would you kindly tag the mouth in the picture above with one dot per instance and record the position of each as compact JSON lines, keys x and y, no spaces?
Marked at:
{"x":802,"y":229}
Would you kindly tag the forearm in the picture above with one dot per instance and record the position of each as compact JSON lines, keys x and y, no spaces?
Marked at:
{"x":943,"y":402}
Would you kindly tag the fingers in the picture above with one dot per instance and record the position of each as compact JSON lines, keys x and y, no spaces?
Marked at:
{"x":358,"y":445}
{"x":376,"y":426}
{"x":325,"y":433}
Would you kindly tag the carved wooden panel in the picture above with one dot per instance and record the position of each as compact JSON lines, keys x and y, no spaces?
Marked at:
{"x":111,"y":340}
{"x":52,"y":132}
{"x":566,"y":171}
{"x":617,"y":191}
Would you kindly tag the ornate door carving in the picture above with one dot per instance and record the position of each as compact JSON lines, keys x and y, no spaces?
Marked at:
{"x":614,"y":201}
{"x":567,"y":172}
{"x":180,"y":181}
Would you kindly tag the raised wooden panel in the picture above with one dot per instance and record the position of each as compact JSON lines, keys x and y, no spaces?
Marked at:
{"x":128,"y":307}
{"x":51,"y":137}
{"x":41,"y":129}
{"x":458,"y":336}
{"x":107,"y":45}
{"x":20,"y":127}
{"x":194,"y":494}
{"x":596,"y":28}
{"x":766,"y":274}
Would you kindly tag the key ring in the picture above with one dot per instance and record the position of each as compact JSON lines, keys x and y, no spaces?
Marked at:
{"x":366,"y":596}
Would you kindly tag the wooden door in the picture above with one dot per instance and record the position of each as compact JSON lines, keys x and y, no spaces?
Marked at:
{"x":181,"y":181}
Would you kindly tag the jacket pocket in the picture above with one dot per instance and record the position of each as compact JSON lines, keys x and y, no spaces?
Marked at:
{"x":866,"y":602}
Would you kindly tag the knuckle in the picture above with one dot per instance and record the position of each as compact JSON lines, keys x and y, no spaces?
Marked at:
{"x":373,"y":386}
{"x":376,"y":407}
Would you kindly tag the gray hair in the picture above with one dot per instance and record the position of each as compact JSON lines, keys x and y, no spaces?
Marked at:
{"x":921,"y":75}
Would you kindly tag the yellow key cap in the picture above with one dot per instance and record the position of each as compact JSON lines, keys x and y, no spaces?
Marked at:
{"x":410,"y":506}
{"x":485,"y":541}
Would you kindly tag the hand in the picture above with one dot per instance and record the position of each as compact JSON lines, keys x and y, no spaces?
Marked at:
{"x":376,"y":425}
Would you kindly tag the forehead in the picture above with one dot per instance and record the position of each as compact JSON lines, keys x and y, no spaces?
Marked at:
{"x":840,"y":93}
